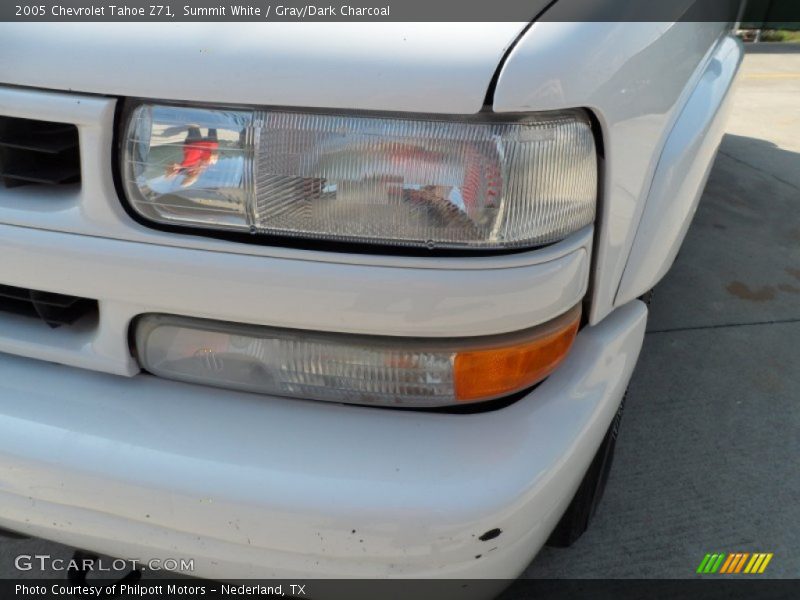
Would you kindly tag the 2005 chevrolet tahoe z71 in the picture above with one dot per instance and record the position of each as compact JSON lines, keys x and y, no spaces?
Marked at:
{"x":352,"y":299}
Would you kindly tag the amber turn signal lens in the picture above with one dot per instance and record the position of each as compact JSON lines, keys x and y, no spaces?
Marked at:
{"x":357,"y":369}
{"x":494,"y":372}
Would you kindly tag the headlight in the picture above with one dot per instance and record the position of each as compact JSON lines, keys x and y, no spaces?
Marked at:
{"x":435,"y":183}
{"x":351,"y":368}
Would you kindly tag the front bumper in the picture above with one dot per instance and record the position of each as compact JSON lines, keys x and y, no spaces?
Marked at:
{"x":253,"y":486}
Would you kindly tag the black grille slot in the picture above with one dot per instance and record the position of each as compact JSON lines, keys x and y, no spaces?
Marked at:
{"x":53,"y":309}
{"x":38,"y":152}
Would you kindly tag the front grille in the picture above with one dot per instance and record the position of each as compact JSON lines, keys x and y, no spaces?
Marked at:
{"x":38,"y":152}
{"x":53,"y":309}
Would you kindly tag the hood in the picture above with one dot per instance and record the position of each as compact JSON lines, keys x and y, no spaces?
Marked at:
{"x":414,"y":67}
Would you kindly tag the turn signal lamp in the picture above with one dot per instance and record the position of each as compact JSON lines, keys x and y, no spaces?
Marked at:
{"x":352,"y":368}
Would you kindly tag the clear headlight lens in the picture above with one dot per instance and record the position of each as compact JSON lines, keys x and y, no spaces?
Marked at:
{"x":419,"y":183}
{"x":351,"y":368}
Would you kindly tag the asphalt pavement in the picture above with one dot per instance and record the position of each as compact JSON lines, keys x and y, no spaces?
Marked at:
{"x":708,"y":457}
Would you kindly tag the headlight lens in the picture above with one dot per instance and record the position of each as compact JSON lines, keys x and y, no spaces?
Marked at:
{"x":390,"y":181}
{"x":351,"y":368}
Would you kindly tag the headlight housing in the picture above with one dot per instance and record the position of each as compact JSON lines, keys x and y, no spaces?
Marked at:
{"x":432,"y":182}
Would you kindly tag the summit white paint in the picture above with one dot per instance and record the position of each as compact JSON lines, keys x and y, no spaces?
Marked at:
{"x":407,"y":67}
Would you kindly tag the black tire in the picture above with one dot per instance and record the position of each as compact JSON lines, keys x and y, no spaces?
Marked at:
{"x":12,"y":535}
{"x":584,"y":504}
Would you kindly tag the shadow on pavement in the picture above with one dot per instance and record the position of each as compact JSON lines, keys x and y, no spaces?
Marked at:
{"x":708,"y":445}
